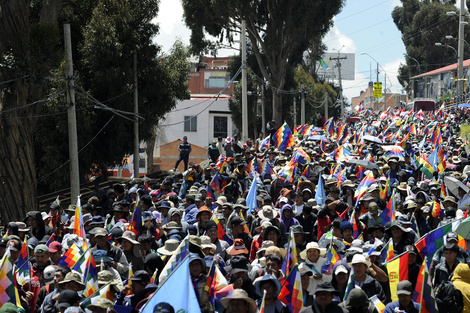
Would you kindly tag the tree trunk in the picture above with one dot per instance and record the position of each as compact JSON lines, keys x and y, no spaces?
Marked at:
{"x":150,"y":147}
{"x":277,"y":108}
{"x":18,"y":171}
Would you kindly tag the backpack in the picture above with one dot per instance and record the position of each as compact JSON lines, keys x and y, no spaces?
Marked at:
{"x":448,"y":298}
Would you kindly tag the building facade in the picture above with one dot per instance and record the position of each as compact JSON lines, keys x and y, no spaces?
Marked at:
{"x":393,"y":99}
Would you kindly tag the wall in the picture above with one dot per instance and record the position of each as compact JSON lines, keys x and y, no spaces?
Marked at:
{"x":165,"y":156}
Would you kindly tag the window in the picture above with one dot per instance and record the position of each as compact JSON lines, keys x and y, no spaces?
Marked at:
{"x":220,"y":126}
{"x":190,"y":123}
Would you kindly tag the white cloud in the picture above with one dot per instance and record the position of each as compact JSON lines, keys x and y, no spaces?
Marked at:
{"x":335,"y":41}
{"x":391,"y":69}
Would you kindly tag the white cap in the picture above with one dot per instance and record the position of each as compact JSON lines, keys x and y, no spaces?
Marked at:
{"x":341,"y":269}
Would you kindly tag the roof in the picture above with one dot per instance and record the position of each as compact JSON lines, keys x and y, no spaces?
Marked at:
{"x":444,"y":69}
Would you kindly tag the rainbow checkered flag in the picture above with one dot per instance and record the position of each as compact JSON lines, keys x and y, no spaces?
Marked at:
{"x":283,"y":138}
{"x":351,"y":284}
{"x":264,"y":144}
{"x":291,"y":292}
{"x":23,"y":273}
{"x":78,"y":228}
{"x":8,"y":282}
{"x":377,"y":303}
{"x":71,"y":257}
{"x":90,"y":277}
{"x":423,"y":293}
{"x":290,"y":259}
{"x":178,"y":256}
{"x":104,"y":292}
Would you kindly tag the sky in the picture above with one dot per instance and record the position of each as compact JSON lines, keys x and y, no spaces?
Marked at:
{"x":362,"y":26}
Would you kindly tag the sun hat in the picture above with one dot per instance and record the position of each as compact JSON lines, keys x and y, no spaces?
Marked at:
{"x":130,"y":236}
{"x":107,"y":277}
{"x":239,"y":294}
{"x":326,"y":286}
{"x":268,"y":229}
{"x":264,"y":245}
{"x":102,"y":303}
{"x":359,"y":259}
{"x":207,"y":243}
{"x":266,"y":278}
{"x":267,"y":211}
{"x":237,"y":248}
{"x":312,"y":245}
{"x":403,"y":186}
{"x":298,"y":229}
{"x":73,"y":277}
{"x":195,"y":257}
{"x":238,"y":264}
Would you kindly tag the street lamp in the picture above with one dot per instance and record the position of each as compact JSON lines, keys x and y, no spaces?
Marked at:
{"x":385,"y":73}
{"x":462,"y":23}
{"x":466,"y":42}
{"x":438,"y":44}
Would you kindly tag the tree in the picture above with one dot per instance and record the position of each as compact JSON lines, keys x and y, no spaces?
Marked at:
{"x":316,"y":93}
{"x":105,"y":35}
{"x":279,"y":31}
{"x":422,"y":24}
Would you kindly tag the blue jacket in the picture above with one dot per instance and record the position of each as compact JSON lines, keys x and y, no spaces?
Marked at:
{"x":190,"y":214}
{"x":390,"y":308}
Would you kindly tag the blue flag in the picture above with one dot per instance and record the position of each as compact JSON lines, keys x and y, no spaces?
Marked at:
{"x":177,"y":291}
{"x":432,"y":158}
{"x":251,"y":197}
{"x":320,"y":194}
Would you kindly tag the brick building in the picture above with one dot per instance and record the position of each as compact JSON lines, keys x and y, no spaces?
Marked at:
{"x":370,"y":102}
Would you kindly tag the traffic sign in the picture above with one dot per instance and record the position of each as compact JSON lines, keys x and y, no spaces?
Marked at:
{"x":378,"y":90}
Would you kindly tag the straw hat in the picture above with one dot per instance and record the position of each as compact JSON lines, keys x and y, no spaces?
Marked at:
{"x":359,"y":259}
{"x":312,"y":245}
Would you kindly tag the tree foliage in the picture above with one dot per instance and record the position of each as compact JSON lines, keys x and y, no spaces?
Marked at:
{"x":105,"y":35}
{"x":422,"y":24}
{"x":279,"y":31}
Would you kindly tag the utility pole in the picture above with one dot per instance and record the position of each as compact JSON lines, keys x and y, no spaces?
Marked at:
{"x":338,"y":64}
{"x":136,"y":121}
{"x":295,"y":109}
{"x":244,"y":86}
{"x":326,"y":105}
{"x":377,"y":109}
{"x":460,"y":83}
{"x":302,"y":106}
{"x":263,"y":113}
{"x":71,"y":117}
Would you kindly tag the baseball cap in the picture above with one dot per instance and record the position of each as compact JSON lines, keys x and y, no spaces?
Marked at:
{"x":15,"y":244}
{"x":405,"y":288}
{"x":142,"y":276}
{"x":49,"y":272}
{"x":100,"y":232}
{"x":67,"y":298}
{"x":3,"y":242}
{"x":41,"y":249}
{"x":163,"y":307}
{"x":341,"y":269}
{"x":55,"y":246}
{"x":237,"y":220}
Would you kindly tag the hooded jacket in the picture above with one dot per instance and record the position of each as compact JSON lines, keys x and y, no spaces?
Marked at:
{"x":461,"y":281}
{"x":42,"y":229}
{"x":290,"y":221}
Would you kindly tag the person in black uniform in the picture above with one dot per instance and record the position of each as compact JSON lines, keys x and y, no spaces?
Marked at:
{"x":185,"y":149}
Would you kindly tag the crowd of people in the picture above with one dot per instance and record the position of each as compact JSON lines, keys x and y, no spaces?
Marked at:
{"x":311,"y":199}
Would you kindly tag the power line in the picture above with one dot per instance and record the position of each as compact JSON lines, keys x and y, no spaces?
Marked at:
{"x":83,"y":148}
